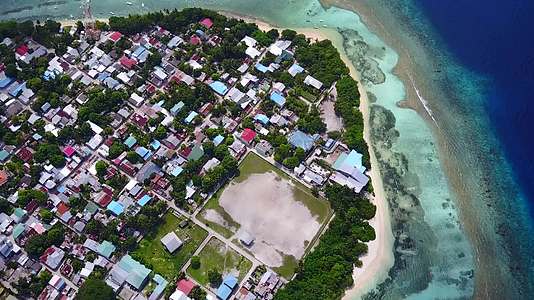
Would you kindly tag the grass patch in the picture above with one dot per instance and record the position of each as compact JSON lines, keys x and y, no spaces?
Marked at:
{"x":213,"y":203}
{"x":288,"y":268}
{"x":216,"y":255}
{"x":153,"y":254}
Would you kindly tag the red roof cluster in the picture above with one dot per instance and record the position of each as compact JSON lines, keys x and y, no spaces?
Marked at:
{"x":128,"y":63}
{"x":69,"y":151}
{"x":248,"y":135}
{"x":206,"y":22}
{"x":185,"y":286}
{"x":115,"y":36}
{"x":22,"y":49}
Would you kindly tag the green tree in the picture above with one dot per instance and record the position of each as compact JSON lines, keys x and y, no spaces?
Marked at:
{"x":101,"y":168}
{"x":214,"y":277}
{"x":195,"y":262}
{"x":95,"y":289}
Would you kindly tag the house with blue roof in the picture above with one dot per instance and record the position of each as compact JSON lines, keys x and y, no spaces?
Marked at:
{"x":349,"y":171}
{"x":177,"y":171}
{"x":143,"y":152}
{"x":160,"y":287}
{"x":106,"y":249}
{"x":115,"y":207}
{"x":299,"y":139}
{"x":144,"y":200}
{"x":278,"y":99}
{"x":3,"y":155}
{"x":6,"y":81}
{"x":130,"y":271}
{"x":218,"y":140}
{"x":139,"y":51}
{"x":177,"y":108}
{"x":263,"y":119}
{"x":16,"y":89}
{"x":261,"y":68}
{"x":130,"y":141}
{"x":295,"y":69}
{"x":219,"y":87}
{"x":155,"y":144}
{"x":227,"y":287}
{"x":192,"y":115}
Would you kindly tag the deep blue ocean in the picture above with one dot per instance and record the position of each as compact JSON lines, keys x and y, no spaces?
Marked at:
{"x":496,"y":40}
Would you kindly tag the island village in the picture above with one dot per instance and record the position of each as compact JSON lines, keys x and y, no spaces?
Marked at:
{"x":178,"y":162}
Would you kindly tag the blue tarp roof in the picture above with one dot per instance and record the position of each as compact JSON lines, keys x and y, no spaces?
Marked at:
{"x":130,"y":141}
{"x":115,"y":207}
{"x":262,"y":118}
{"x":5,"y":82}
{"x":261,"y":68}
{"x":177,"y":171}
{"x":223,"y":292}
{"x":138,"y":51}
{"x":144,"y":200}
{"x":190,"y":117}
{"x":218,"y":140}
{"x":143,"y":152}
{"x":177,"y":107}
{"x":230,"y":281}
{"x":219,"y":87}
{"x":301,"y":140}
{"x":278,"y":99}
{"x":155,"y":144}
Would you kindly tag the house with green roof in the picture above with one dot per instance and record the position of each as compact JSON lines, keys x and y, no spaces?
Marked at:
{"x":129,"y":271}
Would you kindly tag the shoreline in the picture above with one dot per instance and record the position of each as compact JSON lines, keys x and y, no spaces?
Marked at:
{"x":379,"y":258}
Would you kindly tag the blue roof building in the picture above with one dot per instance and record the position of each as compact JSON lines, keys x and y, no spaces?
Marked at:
{"x":15,"y":92}
{"x":278,"y":99}
{"x":263,"y":119}
{"x":177,"y":108}
{"x":155,"y":144}
{"x":3,"y":155}
{"x":177,"y":171}
{"x":192,"y":115}
{"x":261,"y":68}
{"x":295,"y":69}
{"x":131,"y":271}
{"x":138,"y":51}
{"x":143,"y":152}
{"x":102,"y":76}
{"x":219,"y":87}
{"x":347,"y":162}
{"x":230,"y":281}
{"x":160,"y":288}
{"x":5,"y":82}
{"x":130,"y":141}
{"x":115,"y":207}
{"x":218,"y":140}
{"x":223,"y":292}
{"x":144,"y":200}
{"x":106,"y":249}
{"x":302,"y":140}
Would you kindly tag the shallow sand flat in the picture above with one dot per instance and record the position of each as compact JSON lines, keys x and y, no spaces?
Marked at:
{"x":264,"y":205}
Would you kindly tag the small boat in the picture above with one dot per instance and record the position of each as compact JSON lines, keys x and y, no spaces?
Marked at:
{"x":321,"y":21}
{"x":129,"y":3}
{"x":142,"y":4}
{"x":111,"y":13}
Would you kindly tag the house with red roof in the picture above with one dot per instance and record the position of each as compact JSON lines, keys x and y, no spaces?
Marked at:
{"x":186,"y":286}
{"x":206,"y":22}
{"x":194,"y":40}
{"x":247,"y":135}
{"x":128,"y":63}
{"x":115,"y":36}
{"x":22,"y":50}
{"x":25,"y":154}
{"x":69,"y":151}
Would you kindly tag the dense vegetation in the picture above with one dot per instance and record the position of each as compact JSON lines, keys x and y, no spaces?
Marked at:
{"x":322,"y":60}
{"x":93,"y":289}
{"x":327,"y":271}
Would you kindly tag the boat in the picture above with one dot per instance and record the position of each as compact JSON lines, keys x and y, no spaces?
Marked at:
{"x":129,"y":3}
{"x":142,"y":4}
{"x":111,"y":13}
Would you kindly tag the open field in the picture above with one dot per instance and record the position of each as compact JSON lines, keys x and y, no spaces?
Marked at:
{"x":281,"y":214}
{"x":154,"y":255}
{"x":216,"y":255}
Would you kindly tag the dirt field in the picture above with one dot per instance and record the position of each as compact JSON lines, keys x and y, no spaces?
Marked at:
{"x":265,"y":206}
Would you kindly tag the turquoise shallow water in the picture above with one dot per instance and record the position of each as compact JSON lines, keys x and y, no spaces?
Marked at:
{"x":433,"y":256}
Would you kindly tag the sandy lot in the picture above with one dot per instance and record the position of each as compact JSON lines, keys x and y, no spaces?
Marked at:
{"x":328,"y":114}
{"x":264,"y":205}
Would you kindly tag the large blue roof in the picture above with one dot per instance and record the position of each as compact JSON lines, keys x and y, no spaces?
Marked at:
{"x":116,"y":208}
{"x":219,"y":87}
{"x":278,"y":99}
{"x":223,"y":292}
{"x":301,"y":140}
